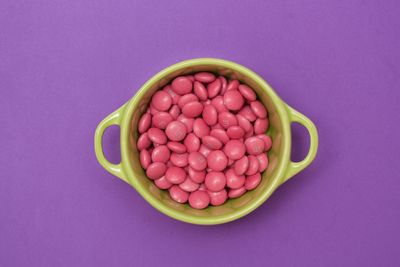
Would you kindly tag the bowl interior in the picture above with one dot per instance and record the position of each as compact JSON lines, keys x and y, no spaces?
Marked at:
{"x":233,"y":208}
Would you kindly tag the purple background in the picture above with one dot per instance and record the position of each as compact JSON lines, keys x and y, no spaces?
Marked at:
{"x":65,"y":65}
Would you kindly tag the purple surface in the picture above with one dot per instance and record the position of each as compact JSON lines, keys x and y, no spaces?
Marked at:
{"x":64,"y":65}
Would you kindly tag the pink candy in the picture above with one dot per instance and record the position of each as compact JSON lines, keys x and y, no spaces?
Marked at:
{"x":199,"y":200}
{"x":214,"y":88}
{"x":175,"y":175}
{"x":215,"y":181}
{"x":192,"y":109}
{"x":204,"y":139}
{"x":144,"y":123}
{"x":182,"y":85}
{"x":247,"y":92}
{"x":233,"y":180}
{"x":210,"y":115}
{"x":233,"y":100}
{"x":204,"y":77}
{"x":192,"y":142}
{"x":156,"y":170}
{"x":161,"y":101}
{"x":235,"y":149}
{"x":178,"y":194}
{"x":254,"y":145}
{"x":200,"y":90}
{"x":197,"y":161}
{"x":218,"y":198}
{"x":200,"y":128}
{"x":217,"y":160}
{"x":160,"y":154}
{"x":176,"y":131}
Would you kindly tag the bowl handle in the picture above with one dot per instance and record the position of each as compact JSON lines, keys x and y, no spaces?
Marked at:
{"x":112,"y":119}
{"x":296,"y":167}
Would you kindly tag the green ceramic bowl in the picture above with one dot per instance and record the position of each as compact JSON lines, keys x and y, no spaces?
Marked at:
{"x":280,"y":168}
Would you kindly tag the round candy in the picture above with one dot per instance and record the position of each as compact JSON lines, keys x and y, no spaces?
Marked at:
{"x":258,"y":108}
{"x":260,"y":126}
{"x":200,"y":128}
{"x":235,"y":193}
{"x":217,"y":160}
{"x":196,"y":176}
{"x":192,"y":109}
{"x":175,"y":175}
{"x":199,"y":200}
{"x":220,"y":134}
{"x":232,"y":85}
{"x":197,"y":161}
{"x":233,"y":100}
{"x":144,"y":123}
{"x":263,"y":162}
{"x":200,"y":90}
{"x":253,"y":181}
{"x":254,"y":165}
{"x":218,"y":198}
{"x":157,"y":136}
{"x":248,"y":113}
{"x":161,"y":100}
{"x":175,"y":97}
{"x":143,"y":141}
{"x":211,"y":142}
{"x":210,"y":115}
{"x":162,"y":183}
{"x":214,"y":88}
{"x":176,"y":147}
{"x":234,"y":149}
{"x":160,"y":154}
{"x":235,"y":132}
{"x":174,"y":111}
{"x":187,"y":121}
{"x":267,"y":141}
{"x":227,"y":119}
{"x":218,"y":103}
{"x":176,"y":131}
{"x":178,"y":194}
{"x":241,"y":165}
{"x":215,"y":181}
{"x":161,"y":119}
{"x":247,"y":92}
{"x":145,"y":158}
{"x":233,"y":180}
{"x":254,"y":145}
{"x":186,"y":99}
{"x":204,"y":77}
{"x":182,"y":85}
{"x":156,"y":170}
{"x":189,"y":186}
{"x":243,"y":122}
{"x":179,"y":160}
{"x":192,"y":142}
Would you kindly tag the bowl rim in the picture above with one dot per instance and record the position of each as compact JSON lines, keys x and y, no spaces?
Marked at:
{"x":220,"y":219}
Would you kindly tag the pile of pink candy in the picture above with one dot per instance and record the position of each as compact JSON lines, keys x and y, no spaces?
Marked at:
{"x":204,"y":139}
